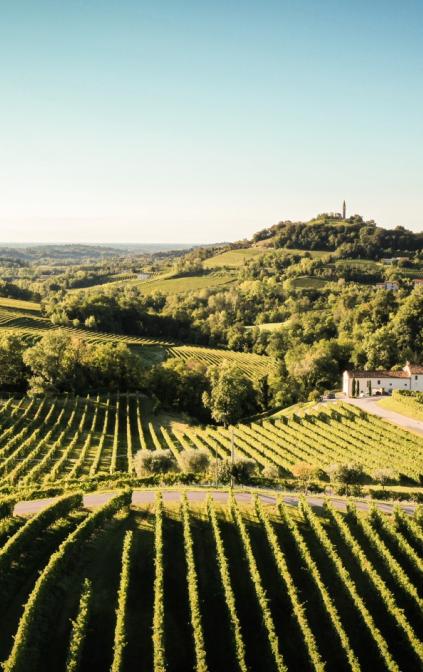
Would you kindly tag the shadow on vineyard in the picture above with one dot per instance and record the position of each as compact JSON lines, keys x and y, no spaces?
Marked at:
{"x":210,"y":586}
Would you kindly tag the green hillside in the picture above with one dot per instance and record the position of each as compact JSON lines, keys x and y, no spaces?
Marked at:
{"x":233,"y":258}
{"x":186,"y":284}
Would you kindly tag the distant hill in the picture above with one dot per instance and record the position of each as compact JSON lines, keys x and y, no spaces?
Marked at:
{"x":351,"y":237}
{"x":25,"y":252}
{"x":39,"y":252}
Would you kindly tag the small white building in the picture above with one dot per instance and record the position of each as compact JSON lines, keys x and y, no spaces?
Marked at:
{"x":391,"y":260}
{"x":383,"y":382}
{"x":391,"y":285}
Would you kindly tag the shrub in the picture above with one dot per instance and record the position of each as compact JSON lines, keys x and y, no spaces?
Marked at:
{"x":271,"y":471}
{"x":346,"y":474}
{"x":304,"y":472}
{"x":314,"y":395}
{"x":241,"y":470}
{"x":194,"y":461}
{"x":384,"y":476}
{"x":349,"y":490}
{"x":244,"y":469}
{"x":154,"y":462}
{"x":7,"y":504}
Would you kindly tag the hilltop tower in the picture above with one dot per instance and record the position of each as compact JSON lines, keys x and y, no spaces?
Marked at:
{"x":344,"y":210}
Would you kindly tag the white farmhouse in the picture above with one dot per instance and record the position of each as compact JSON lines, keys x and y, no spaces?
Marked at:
{"x":383,"y":382}
{"x":388,"y":285}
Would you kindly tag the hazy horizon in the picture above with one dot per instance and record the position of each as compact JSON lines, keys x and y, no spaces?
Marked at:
{"x":202,"y":122}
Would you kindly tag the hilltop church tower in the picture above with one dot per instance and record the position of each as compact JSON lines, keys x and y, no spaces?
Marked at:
{"x":344,"y":210}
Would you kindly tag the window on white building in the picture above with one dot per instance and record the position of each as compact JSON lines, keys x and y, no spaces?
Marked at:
{"x":416,"y":377}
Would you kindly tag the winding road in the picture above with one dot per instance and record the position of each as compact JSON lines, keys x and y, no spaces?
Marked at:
{"x":141,"y":497}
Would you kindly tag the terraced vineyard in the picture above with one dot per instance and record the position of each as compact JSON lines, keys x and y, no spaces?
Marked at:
{"x":248,"y":362}
{"x":31,"y":326}
{"x":218,"y":585}
{"x":44,"y":440}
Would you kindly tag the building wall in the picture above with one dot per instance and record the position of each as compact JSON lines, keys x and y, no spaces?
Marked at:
{"x":346,"y":384}
{"x":378,"y":383}
{"x":417,"y":383}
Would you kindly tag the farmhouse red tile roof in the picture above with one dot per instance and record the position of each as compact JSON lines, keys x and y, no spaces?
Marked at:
{"x":378,"y":374}
{"x":415,"y":368}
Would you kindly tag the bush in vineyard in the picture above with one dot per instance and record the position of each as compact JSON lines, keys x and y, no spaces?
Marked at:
{"x":194,"y":460}
{"x":154,"y":462}
{"x":241,"y":470}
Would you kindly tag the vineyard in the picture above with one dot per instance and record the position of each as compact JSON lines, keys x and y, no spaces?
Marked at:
{"x":218,"y":584}
{"x":44,"y":440}
{"x":18,"y":304}
{"x":180,"y":285}
{"x":163,"y":283}
{"x":32,"y":326}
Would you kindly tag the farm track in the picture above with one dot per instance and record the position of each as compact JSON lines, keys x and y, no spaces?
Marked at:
{"x":142,"y":497}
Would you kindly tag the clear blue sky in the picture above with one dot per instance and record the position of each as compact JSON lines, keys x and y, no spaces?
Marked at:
{"x":132,"y":121}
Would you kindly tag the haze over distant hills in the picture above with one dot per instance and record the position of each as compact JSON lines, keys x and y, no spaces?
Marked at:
{"x":139,"y":247}
{"x":30,"y":251}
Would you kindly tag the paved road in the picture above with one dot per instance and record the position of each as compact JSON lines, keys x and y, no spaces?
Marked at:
{"x":141,"y":497}
{"x":372,"y":405}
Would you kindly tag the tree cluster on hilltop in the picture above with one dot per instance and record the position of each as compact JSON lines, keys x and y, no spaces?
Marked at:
{"x":352,"y":237}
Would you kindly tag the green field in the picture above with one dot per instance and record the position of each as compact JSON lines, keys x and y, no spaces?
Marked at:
{"x":166,"y":284}
{"x":306,"y":282}
{"x":182,"y":285}
{"x":315,"y":254}
{"x":361,"y":263}
{"x":22,"y":319}
{"x":114,"y":280}
{"x":235,"y":258}
{"x":18,"y":304}
{"x":268,"y":326}
{"x":408,"y":406}
{"x":410,"y":273}
{"x":229,"y":586}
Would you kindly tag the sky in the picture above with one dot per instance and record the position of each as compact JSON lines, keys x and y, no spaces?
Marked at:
{"x":183,"y":121}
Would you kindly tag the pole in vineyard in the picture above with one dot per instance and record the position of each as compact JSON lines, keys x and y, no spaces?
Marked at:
{"x":232,"y":456}
{"x":216,"y":467}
